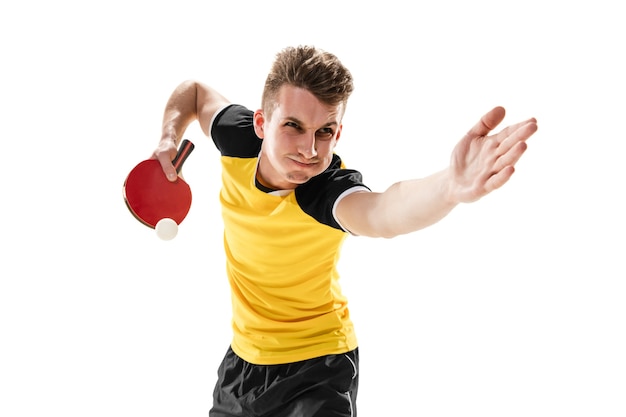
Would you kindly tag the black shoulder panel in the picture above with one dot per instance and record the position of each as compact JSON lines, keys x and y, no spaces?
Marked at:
{"x":233,"y":133}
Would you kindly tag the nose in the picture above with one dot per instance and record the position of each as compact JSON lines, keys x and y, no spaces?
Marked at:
{"x":307,"y":146}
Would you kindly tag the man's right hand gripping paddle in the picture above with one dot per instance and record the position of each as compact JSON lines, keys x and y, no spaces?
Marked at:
{"x":151,"y":197}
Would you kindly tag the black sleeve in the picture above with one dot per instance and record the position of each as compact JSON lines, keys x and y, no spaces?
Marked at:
{"x":317,"y":196}
{"x":232,"y":132}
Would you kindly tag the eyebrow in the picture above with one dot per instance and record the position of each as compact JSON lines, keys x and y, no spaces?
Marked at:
{"x":301,"y":123}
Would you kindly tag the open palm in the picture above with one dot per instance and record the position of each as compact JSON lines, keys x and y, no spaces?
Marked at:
{"x":481,"y":163}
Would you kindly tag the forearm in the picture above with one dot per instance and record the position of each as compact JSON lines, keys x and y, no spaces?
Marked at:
{"x":405,"y":207}
{"x":180,"y":111}
{"x":415,"y":204}
{"x":189,"y":102}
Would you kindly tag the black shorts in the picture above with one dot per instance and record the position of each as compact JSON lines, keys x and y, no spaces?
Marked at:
{"x":320,"y":387}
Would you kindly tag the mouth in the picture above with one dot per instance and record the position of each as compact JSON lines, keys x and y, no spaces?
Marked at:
{"x":305,"y":164}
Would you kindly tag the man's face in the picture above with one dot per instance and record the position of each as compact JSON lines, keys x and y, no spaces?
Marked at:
{"x":298,"y":140}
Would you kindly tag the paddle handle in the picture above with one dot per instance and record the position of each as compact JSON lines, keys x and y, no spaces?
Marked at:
{"x":185,"y":149}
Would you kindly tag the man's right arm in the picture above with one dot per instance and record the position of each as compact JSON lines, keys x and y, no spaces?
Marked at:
{"x":191,"y":100}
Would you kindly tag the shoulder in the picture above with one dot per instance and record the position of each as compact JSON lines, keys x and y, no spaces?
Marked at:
{"x":318,"y":196}
{"x":232,"y":131}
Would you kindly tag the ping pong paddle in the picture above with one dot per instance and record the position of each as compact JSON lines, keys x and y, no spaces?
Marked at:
{"x":150,"y":196}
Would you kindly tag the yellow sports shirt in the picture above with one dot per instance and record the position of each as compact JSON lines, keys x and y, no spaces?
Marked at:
{"x":281,"y":251}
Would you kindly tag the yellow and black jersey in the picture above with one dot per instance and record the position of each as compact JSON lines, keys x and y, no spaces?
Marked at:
{"x":282,"y":250}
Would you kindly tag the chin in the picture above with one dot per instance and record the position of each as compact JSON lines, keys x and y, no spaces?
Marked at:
{"x":299,"y":180}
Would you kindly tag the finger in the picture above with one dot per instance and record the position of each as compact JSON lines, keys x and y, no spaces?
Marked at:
{"x":511,"y":157}
{"x":514,"y":134}
{"x":487,"y":123}
{"x":499,"y":179}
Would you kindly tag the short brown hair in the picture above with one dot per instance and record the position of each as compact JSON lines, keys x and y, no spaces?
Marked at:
{"x":317,"y":71}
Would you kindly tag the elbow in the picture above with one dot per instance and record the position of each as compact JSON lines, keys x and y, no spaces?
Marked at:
{"x":380,"y":232}
{"x":390,"y":234}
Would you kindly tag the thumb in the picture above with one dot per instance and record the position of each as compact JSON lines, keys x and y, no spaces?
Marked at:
{"x":488,"y":122}
{"x":168,"y":168}
{"x":164,"y":154}
{"x":171,"y":174}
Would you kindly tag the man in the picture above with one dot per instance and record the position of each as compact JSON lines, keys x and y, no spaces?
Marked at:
{"x":288,"y":204}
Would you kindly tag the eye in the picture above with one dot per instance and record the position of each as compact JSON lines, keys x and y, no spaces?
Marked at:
{"x":292,"y":124}
{"x":325,"y":132}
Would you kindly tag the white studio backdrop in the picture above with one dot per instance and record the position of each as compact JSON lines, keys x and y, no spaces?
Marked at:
{"x":510,"y":306}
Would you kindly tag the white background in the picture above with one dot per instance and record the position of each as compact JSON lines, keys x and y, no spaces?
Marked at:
{"x":511,"y":306}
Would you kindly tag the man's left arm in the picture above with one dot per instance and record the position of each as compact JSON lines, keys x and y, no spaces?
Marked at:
{"x":479,"y":165}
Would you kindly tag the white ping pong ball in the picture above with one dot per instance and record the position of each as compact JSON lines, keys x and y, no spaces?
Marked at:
{"x":166,"y":229}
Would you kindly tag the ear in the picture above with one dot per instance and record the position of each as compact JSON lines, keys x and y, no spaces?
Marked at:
{"x":339,"y":129}
{"x":259,"y":122}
